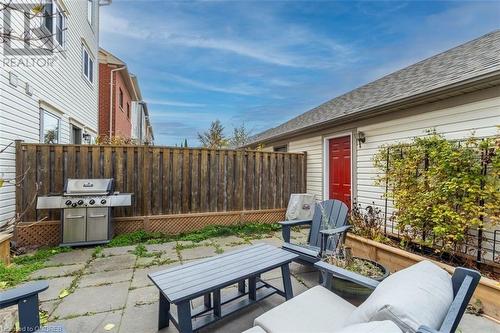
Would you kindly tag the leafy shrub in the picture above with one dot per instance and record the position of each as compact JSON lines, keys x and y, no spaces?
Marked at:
{"x":441,"y":188}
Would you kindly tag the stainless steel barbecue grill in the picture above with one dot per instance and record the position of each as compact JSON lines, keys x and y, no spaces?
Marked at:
{"x":86,"y":210}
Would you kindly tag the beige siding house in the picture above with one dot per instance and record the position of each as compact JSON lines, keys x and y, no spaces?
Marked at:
{"x":457,"y":93}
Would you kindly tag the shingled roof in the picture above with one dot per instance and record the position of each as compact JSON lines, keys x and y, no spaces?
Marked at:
{"x":475,"y":59}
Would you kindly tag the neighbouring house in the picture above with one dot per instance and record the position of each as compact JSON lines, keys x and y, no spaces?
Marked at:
{"x":456,"y":92}
{"x":122,"y":112}
{"x":48,"y":86}
{"x":142,"y":131}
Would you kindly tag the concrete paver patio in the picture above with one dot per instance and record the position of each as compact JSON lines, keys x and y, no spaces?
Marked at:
{"x":113,"y":288}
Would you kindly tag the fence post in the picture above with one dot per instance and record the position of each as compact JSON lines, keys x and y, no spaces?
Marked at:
{"x":386,"y":190}
{"x":304,"y":173}
{"x":19,"y":172}
{"x":484,"y":170}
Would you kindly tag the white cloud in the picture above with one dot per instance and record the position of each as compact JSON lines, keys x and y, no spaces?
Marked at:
{"x":281,"y":46}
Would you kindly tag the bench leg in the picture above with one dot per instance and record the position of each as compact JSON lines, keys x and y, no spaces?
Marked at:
{"x":217,"y":304}
{"x":164,"y":312}
{"x":241,"y":286}
{"x":184,"y":317}
{"x":29,"y":319}
{"x":252,"y":288}
{"x":207,"y":300}
{"x":287,"y":283}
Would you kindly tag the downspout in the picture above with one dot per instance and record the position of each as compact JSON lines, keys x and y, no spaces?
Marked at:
{"x":111,"y":100}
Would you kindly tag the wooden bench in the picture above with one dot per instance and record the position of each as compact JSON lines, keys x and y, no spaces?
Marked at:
{"x":205,"y":278}
{"x":26,"y":299}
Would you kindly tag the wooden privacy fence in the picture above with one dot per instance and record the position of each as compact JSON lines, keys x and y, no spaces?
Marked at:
{"x":164,"y":180}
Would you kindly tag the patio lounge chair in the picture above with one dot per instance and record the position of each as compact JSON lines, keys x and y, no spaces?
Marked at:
{"x":422,"y":298}
{"x":26,"y":299}
{"x":319,"y":240}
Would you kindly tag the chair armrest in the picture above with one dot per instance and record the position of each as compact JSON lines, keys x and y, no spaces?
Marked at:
{"x":12,"y":296}
{"x":293,"y":223}
{"x":425,"y":329}
{"x":330,"y":270}
{"x":329,"y":232}
{"x":287,"y":225}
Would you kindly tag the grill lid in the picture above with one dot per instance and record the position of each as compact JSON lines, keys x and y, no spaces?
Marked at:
{"x":89,"y":186}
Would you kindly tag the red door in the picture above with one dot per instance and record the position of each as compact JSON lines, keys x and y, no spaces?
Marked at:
{"x":340,"y":169}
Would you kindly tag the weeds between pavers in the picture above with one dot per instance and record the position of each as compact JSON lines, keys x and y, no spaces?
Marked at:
{"x":23,"y":266}
{"x":247,"y":231}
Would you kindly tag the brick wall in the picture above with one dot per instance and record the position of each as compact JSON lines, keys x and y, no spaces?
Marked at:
{"x":122,"y":125}
{"x":104,"y":79}
{"x":122,"y":120}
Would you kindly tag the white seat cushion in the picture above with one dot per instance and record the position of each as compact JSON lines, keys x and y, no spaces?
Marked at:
{"x":418,"y":295}
{"x":315,"y":310}
{"x":255,"y":329}
{"x":385,"y":326}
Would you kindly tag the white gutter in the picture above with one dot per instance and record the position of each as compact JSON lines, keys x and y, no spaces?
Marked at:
{"x":111,"y":100}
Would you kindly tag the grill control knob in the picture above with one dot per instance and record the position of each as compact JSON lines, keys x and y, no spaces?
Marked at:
{"x":103,"y":201}
{"x":92,"y":201}
{"x":80,"y":202}
{"x":68,"y":202}
{"x":73,"y":204}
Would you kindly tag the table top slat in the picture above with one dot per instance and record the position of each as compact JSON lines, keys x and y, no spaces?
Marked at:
{"x":205,"y":265}
{"x":199,"y":290}
{"x":196,"y":278}
{"x":203,"y":277}
{"x":206,"y":260}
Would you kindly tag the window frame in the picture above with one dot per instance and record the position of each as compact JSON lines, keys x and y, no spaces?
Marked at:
{"x":44,"y":112}
{"x":87,"y":64}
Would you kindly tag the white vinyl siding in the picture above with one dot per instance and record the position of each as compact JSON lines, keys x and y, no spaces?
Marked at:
{"x":63,"y":87}
{"x":480,"y":118}
{"x":314,"y":148}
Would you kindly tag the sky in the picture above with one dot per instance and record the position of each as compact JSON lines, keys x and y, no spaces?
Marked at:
{"x":261,"y":63}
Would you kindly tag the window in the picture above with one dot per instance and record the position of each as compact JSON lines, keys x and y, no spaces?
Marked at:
{"x":53,"y":22}
{"x":76,"y":135}
{"x":49,"y":127}
{"x":120,"y":98}
{"x":59,"y":33}
{"x":90,"y":11}
{"x":88,"y":65}
{"x":282,"y":149}
{"x":47,"y":16}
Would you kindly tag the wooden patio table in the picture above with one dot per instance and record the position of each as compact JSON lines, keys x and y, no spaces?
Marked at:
{"x":181,"y":284}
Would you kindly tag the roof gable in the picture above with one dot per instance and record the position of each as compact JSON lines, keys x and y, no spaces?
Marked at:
{"x":473,"y":59}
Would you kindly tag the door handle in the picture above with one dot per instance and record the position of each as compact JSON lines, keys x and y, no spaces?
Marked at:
{"x":95,"y":216}
{"x":75,"y":217}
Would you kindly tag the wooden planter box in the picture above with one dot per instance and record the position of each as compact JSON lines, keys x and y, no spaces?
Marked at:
{"x":5,"y":248}
{"x":488,"y":290}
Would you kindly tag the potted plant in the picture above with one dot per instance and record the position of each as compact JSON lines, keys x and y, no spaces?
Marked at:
{"x":343,"y":258}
